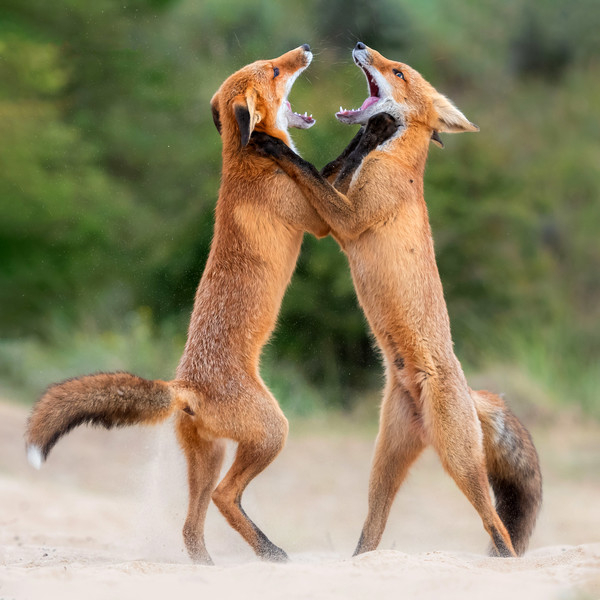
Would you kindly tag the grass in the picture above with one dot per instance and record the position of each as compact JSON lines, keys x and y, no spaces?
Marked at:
{"x":28,"y":366}
{"x":551,"y":369}
{"x":540,"y":375}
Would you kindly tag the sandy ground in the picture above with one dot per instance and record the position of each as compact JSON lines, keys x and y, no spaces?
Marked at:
{"x":102,"y":519}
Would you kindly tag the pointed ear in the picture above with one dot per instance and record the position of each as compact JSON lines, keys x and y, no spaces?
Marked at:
{"x":214,"y":106}
{"x":246,"y":113}
{"x":449,"y":118}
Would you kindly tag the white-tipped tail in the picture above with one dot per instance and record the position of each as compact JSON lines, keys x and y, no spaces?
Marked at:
{"x":34,"y":456}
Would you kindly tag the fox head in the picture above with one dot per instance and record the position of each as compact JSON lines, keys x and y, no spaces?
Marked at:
{"x":255,"y":97}
{"x":398,"y":89}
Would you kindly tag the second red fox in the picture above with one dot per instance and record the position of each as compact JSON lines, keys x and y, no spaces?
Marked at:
{"x":377,"y":212}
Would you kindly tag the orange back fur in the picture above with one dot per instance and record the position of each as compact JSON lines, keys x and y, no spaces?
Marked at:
{"x":259,"y":223}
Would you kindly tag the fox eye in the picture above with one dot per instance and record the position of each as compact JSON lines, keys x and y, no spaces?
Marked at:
{"x":399,"y":74}
{"x":275,"y":72}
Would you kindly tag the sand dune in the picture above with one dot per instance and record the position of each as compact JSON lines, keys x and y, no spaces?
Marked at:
{"x":102,"y":520}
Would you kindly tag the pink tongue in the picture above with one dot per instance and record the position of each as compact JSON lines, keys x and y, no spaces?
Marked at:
{"x":369,"y":101}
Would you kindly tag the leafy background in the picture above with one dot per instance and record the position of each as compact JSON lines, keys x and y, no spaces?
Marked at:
{"x":109,"y":170}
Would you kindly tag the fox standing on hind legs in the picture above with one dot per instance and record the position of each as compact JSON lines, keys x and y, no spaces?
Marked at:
{"x":260,"y":220}
{"x":378,"y":215}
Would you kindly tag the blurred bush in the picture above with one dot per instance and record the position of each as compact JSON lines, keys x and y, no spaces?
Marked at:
{"x":110,"y":169}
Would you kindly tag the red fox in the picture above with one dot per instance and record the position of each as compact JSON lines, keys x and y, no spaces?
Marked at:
{"x":260,"y":220}
{"x":379,"y":217}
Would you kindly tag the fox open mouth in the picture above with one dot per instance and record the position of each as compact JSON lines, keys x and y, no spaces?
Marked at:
{"x":285,"y":112}
{"x":297,"y":120}
{"x":350,"y":116}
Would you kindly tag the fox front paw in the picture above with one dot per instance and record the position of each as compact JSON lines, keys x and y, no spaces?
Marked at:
{"x":381,"y":127}
{"x":267,"y":145}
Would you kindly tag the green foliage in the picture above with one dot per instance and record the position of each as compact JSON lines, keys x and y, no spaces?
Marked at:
{"x":28,"y":365}
{"x":138,"y":346}
{"x":110,"y":169}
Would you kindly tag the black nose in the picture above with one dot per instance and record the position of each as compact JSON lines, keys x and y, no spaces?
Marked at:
{"x":360,"y":46}
{"x":306,"y":47}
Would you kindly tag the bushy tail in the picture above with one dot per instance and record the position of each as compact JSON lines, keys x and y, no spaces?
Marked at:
{"x":105,"y":399}
{"x":513,"y":468}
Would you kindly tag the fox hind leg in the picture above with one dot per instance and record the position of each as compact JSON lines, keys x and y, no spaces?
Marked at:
{"x":399,"y":444}
{"x":455,"y":432}
{"x":260,"y":438}
{"x":204,"y":458}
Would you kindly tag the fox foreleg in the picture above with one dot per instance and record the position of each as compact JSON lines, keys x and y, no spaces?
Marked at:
{"x":345,"y":215}
{"x":331,"y":170}
{"x":379,"y":129}
{"x":320,"y":193}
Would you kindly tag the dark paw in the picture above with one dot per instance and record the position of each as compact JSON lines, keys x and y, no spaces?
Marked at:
{"x":266,"y":145}
{"x":330,"y":168}
{"x":276,"y":554}
{"x":267,"y":550}
{"x":381,"y":127}
{"x":501,"y":547}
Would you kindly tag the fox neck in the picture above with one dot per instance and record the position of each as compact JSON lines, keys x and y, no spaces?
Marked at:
{"x":411,"y":145}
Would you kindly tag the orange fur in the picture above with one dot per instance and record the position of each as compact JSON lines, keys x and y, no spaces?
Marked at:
{"x":379,"y":217}
{"x":218,"y":393}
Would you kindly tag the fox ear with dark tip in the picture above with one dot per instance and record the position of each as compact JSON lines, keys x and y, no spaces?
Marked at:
{"x":246,"y":114}
{"x":449,"y":118}
{"x":216,"y":115}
